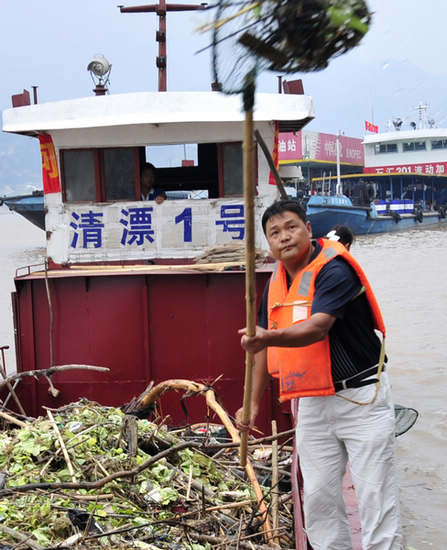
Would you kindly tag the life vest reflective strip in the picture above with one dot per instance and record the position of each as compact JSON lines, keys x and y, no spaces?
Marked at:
{"x":306,"y":371}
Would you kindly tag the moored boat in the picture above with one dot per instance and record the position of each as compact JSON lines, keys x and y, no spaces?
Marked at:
{"x":102,"y":302}
{"x":381,"y":216}
{"x":403,"y":184}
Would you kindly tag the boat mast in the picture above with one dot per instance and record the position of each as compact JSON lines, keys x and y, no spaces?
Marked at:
{"x":160,"y":9}
{"x":339,"y":187}
{"x":421,"y":108}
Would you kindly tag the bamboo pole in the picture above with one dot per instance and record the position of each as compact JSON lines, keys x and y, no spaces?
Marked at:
{"x":250,"y":267}
{"x":76,"y":270}
{"x":275,"y":480}
{"x":62,"y":444}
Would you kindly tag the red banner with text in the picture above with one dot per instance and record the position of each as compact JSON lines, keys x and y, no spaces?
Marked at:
{"x":50,"y":171}
{"x":427,"y":169}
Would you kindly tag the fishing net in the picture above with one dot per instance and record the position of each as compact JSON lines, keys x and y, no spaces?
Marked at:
{"x":282,"y":35}
{"x":404,"y":419}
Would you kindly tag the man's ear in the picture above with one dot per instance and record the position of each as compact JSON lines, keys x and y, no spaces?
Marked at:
{"x":309,"y":228}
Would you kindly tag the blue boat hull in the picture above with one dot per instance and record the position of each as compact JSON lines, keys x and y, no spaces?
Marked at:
{"x":31,"y":207}
{"x":362,"y":223}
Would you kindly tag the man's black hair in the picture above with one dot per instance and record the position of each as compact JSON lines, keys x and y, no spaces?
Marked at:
{"x":284,"y":205}
{"x":345,"y":234}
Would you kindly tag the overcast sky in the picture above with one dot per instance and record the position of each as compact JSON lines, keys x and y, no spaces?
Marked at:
{"x":399,"y":63}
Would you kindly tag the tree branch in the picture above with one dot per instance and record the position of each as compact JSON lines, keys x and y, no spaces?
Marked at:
{"x":51,"y":371}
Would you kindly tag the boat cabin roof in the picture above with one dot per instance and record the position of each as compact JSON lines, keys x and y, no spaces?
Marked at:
{"x":156,"y":108}
{"x":406,"y":135}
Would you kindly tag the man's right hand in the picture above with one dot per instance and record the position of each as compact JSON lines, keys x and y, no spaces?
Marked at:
{"x":239,"y":423}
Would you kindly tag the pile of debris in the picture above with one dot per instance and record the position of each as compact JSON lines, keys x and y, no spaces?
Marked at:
{"x":229,"y":252}
{"x":88,"y":476}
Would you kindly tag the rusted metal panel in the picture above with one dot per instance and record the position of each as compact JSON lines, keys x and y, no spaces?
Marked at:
{"x":143,"y":327}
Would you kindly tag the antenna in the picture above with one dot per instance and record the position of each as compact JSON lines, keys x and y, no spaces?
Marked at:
{"x":421,"y":109}
{"x":161,"y":9}
{"x":413,"y":125}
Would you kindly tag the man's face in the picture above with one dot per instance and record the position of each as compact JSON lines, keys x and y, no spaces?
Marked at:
{"x":147,"y":180}
{"x":288,"y":236}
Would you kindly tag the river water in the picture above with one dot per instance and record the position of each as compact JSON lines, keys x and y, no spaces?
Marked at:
{"x":405,"y":270}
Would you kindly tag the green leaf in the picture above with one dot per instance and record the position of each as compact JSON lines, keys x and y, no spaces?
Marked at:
{"x":168,"y":495}
{"x":42,"y":534}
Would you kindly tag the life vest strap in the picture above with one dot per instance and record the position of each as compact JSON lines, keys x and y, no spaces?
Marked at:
{"x":308,"y":303}
{"x":305,"y":303}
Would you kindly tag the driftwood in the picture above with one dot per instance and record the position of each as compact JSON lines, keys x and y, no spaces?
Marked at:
{"x":8,"y":385}
{"x":254,"y":442}
{"x":49,"y":372}
{"x":229,"y":515}
{"x":148,"y":400}
{"x":12,"y":419}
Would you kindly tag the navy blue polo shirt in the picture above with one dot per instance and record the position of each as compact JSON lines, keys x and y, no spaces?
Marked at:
{"x":354,"y":344}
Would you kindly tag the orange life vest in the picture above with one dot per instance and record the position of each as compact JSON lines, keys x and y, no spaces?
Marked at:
{"x":306,"y":371}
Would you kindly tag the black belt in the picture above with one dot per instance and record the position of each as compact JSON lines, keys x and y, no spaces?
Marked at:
{"x":358,"y":380}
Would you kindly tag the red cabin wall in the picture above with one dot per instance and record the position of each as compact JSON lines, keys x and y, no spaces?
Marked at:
{"x":143,"y":327}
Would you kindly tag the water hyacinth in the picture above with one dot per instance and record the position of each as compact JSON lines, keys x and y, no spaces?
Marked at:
{"x":186,"y":498}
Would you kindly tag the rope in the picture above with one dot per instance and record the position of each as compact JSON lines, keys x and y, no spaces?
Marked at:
{"x":379,"y":374}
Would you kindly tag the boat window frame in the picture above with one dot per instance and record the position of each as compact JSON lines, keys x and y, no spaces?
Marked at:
{"x":413,"y":145}
{"x":385,"y":148}
{"x":99,"y":171}
{"x":98,"y":158}
{"x":443,"y":143}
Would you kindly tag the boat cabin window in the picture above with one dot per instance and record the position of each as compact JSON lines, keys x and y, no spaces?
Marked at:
{"x":204,"y":170}
{"x":439,"y":144}
{"x":78,"y":168}
{"x":413,"y":146}
{"x":386,"y":148}
{"x":120,"y":178}
{"x":232,"y":169}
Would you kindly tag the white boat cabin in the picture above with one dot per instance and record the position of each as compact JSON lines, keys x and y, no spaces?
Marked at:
{"x":93,"y":150}
{"x":419,"y":151}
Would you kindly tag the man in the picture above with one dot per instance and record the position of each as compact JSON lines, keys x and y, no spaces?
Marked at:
{"x":148,"y":190}
{"x":343,"y":234}
{"x":316,"y":334}
{"x":160,"y":197}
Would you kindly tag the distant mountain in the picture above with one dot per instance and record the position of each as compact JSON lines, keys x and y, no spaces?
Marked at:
{"x":20,"y":168}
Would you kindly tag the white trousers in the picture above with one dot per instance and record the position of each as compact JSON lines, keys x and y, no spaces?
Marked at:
{"x":332,"y":431}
